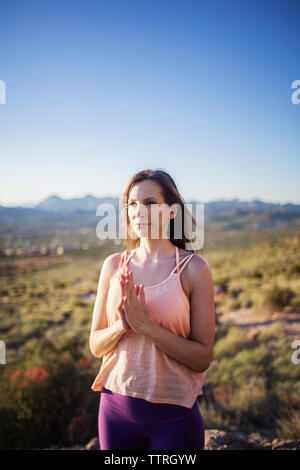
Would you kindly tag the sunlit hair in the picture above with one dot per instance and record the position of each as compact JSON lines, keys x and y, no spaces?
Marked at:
{"x":171,"y":196}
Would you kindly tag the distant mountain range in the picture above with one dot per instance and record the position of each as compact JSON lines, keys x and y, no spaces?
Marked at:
{"x":56,"y":213}
{"x":87,"y":203}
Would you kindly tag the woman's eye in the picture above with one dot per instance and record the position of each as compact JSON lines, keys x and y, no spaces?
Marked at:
{"x":149,"y":202}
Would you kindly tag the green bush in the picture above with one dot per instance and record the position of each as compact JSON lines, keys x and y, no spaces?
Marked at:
{"x":222,"y":330}
{"x":285,"y":376}
{"x":78,"y":303}
{"x":46,"y":399}
{"x":240,"y":368}
{"x":288,"y":420}
{"x":245,"y":299}
{"x":229,"y":304}
{"x":295,"y":301}
{"x":274,"y":331}
{"x":293,"y":270}
{"x":255,"y":274}
{"x":232,"y":343}
{"x":222,"y":281}
{"x":278,"y":297}
{"x":250,"y":400}
{"x":58,"y":284}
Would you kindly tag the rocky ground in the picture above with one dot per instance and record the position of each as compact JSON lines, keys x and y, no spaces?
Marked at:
{"x":245,"y":318}
{"x":223,"y":440}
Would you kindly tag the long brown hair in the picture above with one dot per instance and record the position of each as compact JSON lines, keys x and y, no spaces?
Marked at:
{"x":171,"y":196}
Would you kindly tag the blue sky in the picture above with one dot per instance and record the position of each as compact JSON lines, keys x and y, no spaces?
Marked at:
{"x":98,"y":90}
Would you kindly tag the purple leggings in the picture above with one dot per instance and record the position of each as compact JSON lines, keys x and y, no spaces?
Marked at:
{"x":126,"y":422}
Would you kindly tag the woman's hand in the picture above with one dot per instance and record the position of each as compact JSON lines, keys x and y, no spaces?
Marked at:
{"x":133,"y":303}
{"x":120,"y":306}
{"x":125,"y":326}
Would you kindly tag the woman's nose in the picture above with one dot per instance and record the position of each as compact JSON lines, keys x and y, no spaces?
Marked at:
{"x":141,"y":211}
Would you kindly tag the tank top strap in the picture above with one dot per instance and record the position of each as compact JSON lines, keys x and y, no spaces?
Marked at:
{"x":122,"y":261}
{"x":183,"y":263}
{"x":177,"y":255}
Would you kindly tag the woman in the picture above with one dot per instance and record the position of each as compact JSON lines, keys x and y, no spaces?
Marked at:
{"x":153,"y":324}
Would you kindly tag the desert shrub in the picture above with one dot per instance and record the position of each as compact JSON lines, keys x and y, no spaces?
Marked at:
{"x":215,"y":417}
{"x":235,"y":341}
{"x":4,"y":292}
{"x":293,"y":270}
{"x":59,"y":284}
{"x":46,"y":399}
{"x":240,"y":368}
{"x":255,"y":274}
{"x":288,"y":420}
{"x":285,"y":375}
{"x":295,"y":301}
{"x":222,"y":330}
{"x":277,"y":297}
{"x":82,"y":317}
{"x":78,"y":303}
{"x":249,"y":400}
{"x":222,"y":281}
{"x":235,"y":292}
{"x":251,"y":388}
{"x":274,"y":331}
{"x":245,"y":300}
{"x":229,"y":304}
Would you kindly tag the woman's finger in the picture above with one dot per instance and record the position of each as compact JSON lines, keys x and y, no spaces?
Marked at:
{"x":131,"y":284}
{"x":126,"y":288}
{"x":120,"y":306}
{"x":122,"y":287}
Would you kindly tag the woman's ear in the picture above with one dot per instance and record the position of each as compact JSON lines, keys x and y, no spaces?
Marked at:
{"x":173,"y":211}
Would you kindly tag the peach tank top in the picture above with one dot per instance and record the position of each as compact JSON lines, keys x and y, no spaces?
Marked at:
{"x":136,"y":366}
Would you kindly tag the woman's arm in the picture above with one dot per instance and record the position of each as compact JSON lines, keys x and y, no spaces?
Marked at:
{"x":103,"y":338}
{"x":196,"y":352}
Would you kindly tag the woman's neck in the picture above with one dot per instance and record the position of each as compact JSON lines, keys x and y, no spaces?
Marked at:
{"x":154,"y":250}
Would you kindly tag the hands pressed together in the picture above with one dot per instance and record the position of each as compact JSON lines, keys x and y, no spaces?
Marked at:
{"x":132,"y":307}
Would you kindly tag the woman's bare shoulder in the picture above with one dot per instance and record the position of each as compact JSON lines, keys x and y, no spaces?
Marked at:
{"x":111,"y":264}
{"x":114,"y":259}
{"x":184,"y":253}
{"x":198,"y":268}
{"x":195,"y":266}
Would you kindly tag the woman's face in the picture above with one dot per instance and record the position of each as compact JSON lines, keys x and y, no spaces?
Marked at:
{"x":148,"y":214}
